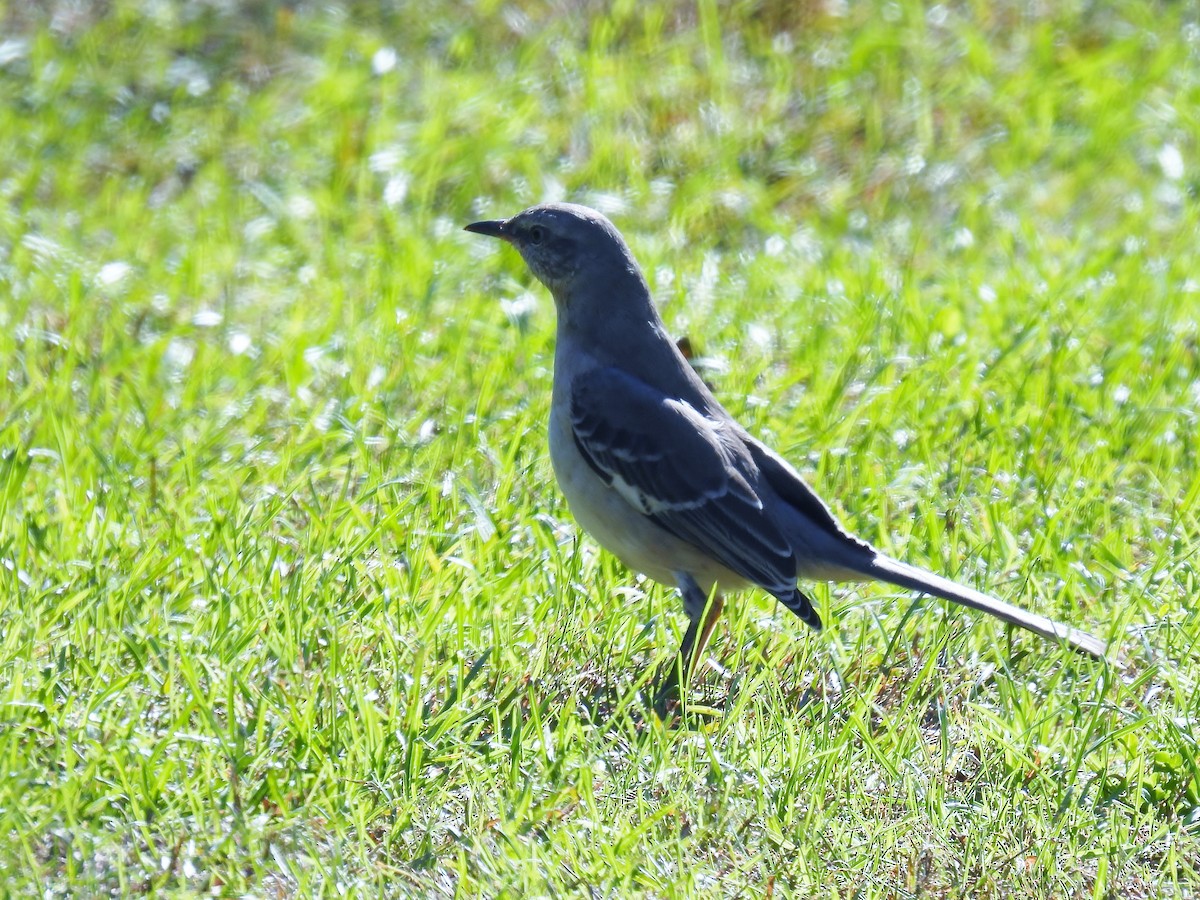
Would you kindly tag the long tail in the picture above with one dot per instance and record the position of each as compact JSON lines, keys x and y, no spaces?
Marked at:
{"x":895,"y":572}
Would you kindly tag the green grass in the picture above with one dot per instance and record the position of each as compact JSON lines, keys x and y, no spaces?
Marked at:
{"x":289,"y":602}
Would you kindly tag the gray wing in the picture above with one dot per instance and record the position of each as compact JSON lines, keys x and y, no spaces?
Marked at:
{"x":795,"y":491}
{"x":687,"y":473}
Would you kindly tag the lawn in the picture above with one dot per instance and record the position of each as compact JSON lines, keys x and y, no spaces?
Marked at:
{"x":289,"y":601}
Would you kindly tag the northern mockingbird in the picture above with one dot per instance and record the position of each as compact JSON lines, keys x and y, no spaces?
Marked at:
{"x":657,"y":471}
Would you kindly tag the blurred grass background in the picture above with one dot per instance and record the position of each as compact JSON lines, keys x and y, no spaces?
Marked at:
{"x":289,"y":603}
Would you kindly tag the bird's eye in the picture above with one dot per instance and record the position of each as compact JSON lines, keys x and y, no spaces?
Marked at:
{"x":537,"y":234}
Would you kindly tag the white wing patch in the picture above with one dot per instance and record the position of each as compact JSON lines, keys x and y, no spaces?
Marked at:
{"x":648,"y":504}
{"x":636,"y":497}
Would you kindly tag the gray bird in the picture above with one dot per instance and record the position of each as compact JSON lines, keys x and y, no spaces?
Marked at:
{"x":657,"y":471}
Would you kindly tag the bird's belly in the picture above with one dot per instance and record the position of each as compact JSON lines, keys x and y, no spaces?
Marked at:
{"x":622,"y":530}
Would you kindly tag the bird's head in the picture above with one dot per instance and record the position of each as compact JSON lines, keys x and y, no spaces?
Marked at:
{"x":571,"y":249}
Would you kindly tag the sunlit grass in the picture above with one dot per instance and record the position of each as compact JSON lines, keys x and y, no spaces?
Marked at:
{"x":289,"y":603}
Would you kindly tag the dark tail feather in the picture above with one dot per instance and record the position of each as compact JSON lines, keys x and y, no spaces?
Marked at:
{"x":894,"y":572}
{"x":803,"y":608}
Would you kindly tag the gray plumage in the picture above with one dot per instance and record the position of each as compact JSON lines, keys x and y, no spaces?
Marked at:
{"x":656,"y":469}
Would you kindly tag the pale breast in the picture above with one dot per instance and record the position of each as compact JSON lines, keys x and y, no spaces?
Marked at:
{"x":618,"y":527}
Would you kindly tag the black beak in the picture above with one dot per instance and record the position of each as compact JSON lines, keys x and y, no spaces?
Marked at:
{"x":493,"y":228}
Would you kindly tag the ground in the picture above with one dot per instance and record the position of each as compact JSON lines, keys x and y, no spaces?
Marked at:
{"x":289,"y":603}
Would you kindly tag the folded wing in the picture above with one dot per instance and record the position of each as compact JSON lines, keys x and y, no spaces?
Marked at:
{"x":686,"y":472}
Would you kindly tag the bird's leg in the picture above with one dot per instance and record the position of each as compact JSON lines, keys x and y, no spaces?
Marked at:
{"x":703,"y":612}
{"x":712,"y":612}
